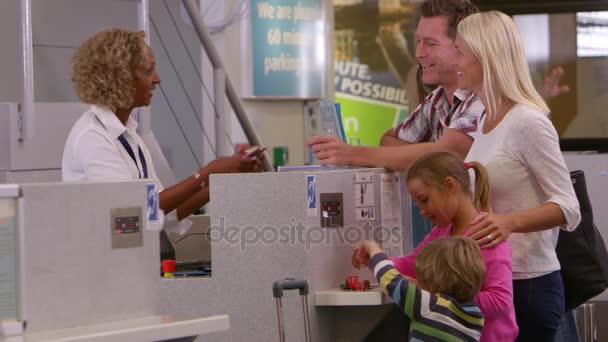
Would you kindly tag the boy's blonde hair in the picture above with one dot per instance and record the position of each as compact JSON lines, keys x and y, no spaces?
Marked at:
{"x":453,"y":266}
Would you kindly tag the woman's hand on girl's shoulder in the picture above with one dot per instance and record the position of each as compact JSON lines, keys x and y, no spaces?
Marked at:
{"x":488,"y":230}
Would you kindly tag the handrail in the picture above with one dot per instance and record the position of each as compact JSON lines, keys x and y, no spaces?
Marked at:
{"x":216,"y":63}
{"x":144,"y":117}
{"x":219,"y":84}
{"x":27,"y":114}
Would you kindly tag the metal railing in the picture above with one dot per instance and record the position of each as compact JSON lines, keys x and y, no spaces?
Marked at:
{"x":222,"y":85}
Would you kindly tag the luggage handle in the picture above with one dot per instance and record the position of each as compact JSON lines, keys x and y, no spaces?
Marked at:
{"x":289,"y":284}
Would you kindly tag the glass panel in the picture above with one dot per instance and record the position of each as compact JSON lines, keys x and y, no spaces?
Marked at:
{"x":8,"y":269}
{"x":579,"y":43}
{"x":592,"y":34}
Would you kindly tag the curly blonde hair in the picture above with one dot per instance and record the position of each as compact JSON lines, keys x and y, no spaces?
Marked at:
{"x":105,"y":66}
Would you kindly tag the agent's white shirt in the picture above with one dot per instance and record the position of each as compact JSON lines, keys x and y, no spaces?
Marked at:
{"x":526,"y":169}
{"x":92,"y":151}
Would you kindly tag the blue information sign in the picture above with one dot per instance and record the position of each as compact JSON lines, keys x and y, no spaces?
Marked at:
{"x":287,"y":49}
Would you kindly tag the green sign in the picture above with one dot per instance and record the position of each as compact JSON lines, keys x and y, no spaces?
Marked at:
{"x":365,"y":121}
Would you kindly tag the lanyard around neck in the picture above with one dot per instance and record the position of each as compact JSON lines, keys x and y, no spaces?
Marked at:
{"x":129,"y":150}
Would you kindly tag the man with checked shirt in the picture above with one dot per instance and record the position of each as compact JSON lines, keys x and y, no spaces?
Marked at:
{"x":447,"y":118}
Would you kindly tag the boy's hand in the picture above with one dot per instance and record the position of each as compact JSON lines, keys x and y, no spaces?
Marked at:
{"x":371,"y":248}
{"x":360,"y":256}
{"x":364,"y":251}
{"x":411,"y":280}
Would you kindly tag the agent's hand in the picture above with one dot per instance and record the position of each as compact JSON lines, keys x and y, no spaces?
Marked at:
{"x":551,"y":86}
{"x":331,"y":151}
{"x":488,"y":230}
{"x":234,"y":164}
{"x":240,"y":149}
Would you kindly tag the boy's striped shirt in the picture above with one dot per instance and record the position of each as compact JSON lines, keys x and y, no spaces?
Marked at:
{"x":434,"y":317}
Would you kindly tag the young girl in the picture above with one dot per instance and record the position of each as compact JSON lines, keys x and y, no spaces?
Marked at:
{"x":439,"y":183}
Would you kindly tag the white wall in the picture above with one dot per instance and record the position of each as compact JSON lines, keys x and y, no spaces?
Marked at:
{"x":58,"y":27}
{"x":10,"y":67}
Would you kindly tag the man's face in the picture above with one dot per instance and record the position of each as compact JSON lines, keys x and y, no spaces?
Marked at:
{"x":435,"y":51}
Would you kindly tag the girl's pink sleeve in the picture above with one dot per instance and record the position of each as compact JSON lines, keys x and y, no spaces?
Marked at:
{"x":496,"y":295}
{"x":405,"y":264}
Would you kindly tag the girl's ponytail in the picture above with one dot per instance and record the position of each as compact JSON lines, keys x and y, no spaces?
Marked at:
{"x":481,"y":198}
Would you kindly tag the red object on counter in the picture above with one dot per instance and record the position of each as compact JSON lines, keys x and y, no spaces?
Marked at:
{"x":168,"y":267}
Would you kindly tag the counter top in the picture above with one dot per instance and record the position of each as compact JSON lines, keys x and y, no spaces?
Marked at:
{"x":153,"y":328}
{"x":338,"y":297}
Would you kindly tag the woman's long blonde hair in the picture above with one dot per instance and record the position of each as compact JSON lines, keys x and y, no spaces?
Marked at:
{"x":496,"y":42}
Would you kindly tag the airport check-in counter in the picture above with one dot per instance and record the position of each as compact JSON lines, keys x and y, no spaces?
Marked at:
{"x":301,"y":224}
{"x":81,"y":262}
{"x":63,"y":274}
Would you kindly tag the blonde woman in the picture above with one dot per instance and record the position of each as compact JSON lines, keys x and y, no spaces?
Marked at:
{"x":532,"y":196}
{"x":114,"y":71}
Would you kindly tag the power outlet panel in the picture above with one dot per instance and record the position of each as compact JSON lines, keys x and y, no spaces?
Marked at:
{"x":332,"y":210}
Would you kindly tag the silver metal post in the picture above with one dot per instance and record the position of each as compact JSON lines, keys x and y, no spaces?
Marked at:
{"x":592,"y":327}
{"x":280,"y":319}
{"x":27,"y":113}
{"x":586,"y":323}
{"x":219,"y":84}
{"x":306,"y":317}
{"x":216,"y":63}
{"x":144,"y":117}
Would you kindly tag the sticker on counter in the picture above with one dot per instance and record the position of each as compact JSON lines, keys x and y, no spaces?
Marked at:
{"x":389,"y":198}
{"x":390,"y":210}
{"x":365,"y":213}
{"x":312,"y":196}
{"x":153,"y":214}
{"x":364,"y":195}
{"x":364,"y":177}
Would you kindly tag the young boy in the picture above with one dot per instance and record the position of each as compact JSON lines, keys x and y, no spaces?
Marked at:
{"x":449,"y":272}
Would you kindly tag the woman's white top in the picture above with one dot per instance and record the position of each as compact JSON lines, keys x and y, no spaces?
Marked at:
{"x":526,"y":169}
